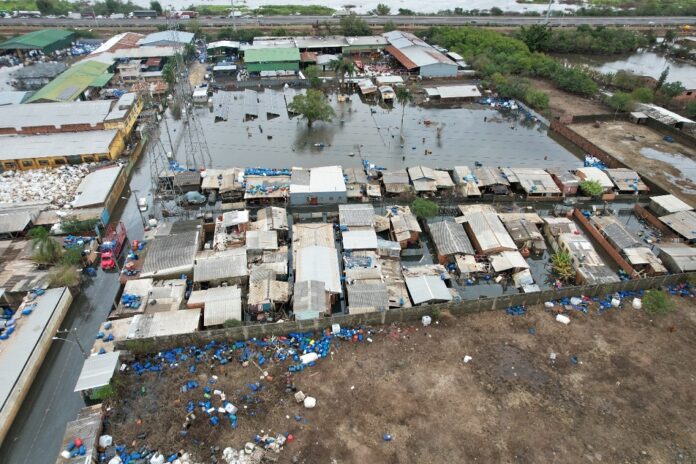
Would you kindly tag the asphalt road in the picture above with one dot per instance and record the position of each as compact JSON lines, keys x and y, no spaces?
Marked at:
{"x":375,"y":20}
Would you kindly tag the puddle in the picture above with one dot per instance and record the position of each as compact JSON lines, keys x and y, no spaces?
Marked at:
{"x":686,"y":165}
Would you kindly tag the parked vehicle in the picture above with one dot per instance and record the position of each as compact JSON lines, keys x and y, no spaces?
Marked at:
{"x":112,"y":245}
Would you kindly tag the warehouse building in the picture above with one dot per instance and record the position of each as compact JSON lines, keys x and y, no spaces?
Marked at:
{"x":101,"y":189}
{"x":418,"y":57}
{"x":261,"y":59}
{"x":166,"y":39}
{"x":39,"y":151}
{"x":43,"y":118}
{"x":320,"y":185}
{"x":36,"y":75}
{"x":45,"y":40}
{"x":77,"y":83}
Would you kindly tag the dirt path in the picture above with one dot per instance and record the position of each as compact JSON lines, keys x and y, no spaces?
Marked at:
{"x":628,"y":398}
{"x":563,"y":104}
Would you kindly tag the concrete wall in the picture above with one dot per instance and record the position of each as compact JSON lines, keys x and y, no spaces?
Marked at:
{"x":395,"y":315}
{"x":327,"y":198}
{"x":34,"y":130}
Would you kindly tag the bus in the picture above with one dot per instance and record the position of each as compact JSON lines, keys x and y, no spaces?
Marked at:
{"x":143,"y":14}
{"x":27,"y":14}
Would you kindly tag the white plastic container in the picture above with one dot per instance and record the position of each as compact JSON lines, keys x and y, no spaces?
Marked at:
{"x":563,"y":319}
{"x":105,"y":441}
{"x":637,"y":303}
{"x":549,"y":304}
{"x":309,"y":357}
{"x":310,"y":402}
{"x":426,"y":321}
{"x":615,"y":302}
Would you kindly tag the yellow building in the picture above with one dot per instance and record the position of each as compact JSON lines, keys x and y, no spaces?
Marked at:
{"x":124,"y":114}
{"x":38,"y":151}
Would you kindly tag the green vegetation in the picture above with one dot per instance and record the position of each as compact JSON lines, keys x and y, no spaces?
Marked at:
{"x":72,"y":257}
{"x":389,"y":26}
{"x":312,"y":73}
{"x":643,"y":95}
{"x":691,"y":109}
{"x":491,"y":52}
{"x":63,"y":7}
{"x":382,"y":10}
{"x":64,"y":275}
{"x":657,"y":302}
{"x":242,"y":35}
{"x":169,"y":74}
{"x":639,"y":8}
{"x":584,"y":39}
{"x":175,"y":109}
{"x":313,"y":107}
{"x":406,"y":12}
{"x":213,"y":10}
{"x":103,"y":393}
{"x":621,"y":101}
{"x":672,"y":89}
{"x":591,"y":188}
{"x":562,"y":265}
{"x":46,"y":250}
{"x":342,"y":67}
{"x":519,"y":88}
{"x":404,"y":97}
{"x":352,"y":25}
{"x":424,"y":209}
{"x":73,"y":226}
{"x":156,"y":6}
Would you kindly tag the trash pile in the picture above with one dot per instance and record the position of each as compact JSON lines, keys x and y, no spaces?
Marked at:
{"x":594,"y":162}
{"x":56,"y":185}
{"x":75,"y":241}
{"x":131,"y":301}
{"x":82,"y":48}
{"x":266,"y":172}
{"x":9,"y":318}
{"x":75,"y":448}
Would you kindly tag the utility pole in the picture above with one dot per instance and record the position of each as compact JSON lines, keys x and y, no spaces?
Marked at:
{"x":75,"y":342}
{"x":234,"y":16}
{"x":548,"y":11}
{"x":137,"y":205}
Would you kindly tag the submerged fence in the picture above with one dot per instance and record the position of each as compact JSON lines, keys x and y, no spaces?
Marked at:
{"x":146,"y":345}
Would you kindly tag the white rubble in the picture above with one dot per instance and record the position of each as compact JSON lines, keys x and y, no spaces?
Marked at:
{"x":54,"y":185}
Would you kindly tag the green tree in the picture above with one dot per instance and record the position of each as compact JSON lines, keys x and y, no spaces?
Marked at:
{"x":562,"y":265}
{"x":536,"y":36}
{"x":46,"y":7}
{"x":591,"y":188}
{"x":389,"y":26}
{"x":672,"y":89}
{"x":279,"y":32}
{"x":342,"y":67}
{"x":495,"y":11}
{"x":312,"y":73}
{"x":643,"y":95}
{"x":404,"y":97}
{"x":169,"y":74}
{"x":46,"y":250}
{"x":64,"y":276}
{"x":424,"y":208}
{"x":112,"y":6}
{"x":537,"y":99}
{"x":691,"y":109}
{"x":406,"y":12}
{"x":663,"y":78}
{"x":657,"y":302}
{"x":621,"y":101}
{"x":72,"y":256}
{"x":382,"y":9}
{"x":313,"y":107}
{"x":352,"y":25}
{"x":194,"y":26}
{"x":156,"y":6}
{"x":670,"y":35}
{"x":189,"y":51}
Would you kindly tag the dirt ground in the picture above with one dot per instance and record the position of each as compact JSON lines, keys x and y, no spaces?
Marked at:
{"x":624,"y":140}
{"x":629,"y":397}
{"x":562,"y":103}
{"x":197,"y":74}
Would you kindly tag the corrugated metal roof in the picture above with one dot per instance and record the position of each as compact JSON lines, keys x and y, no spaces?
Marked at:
{"x":522,"y":230}
{"x":273,"y":218}
{"x":682,"y":255}
{"x":487,"y":176}
{"x":171,"y":254}
{"x":426,"y":288}
{"x":70,"y":84}
{"x":222,"y":306}
{"x":13,"y":97}
{"x":489,"y":233}
{"x":319,"y":263}
{"x":234,"y":218}
{"x":305,"y":235}
{"x":627,"y":180}
{"x":97,"y":371}
{"x":58,"y":144}
{"x":450,"y":238}
{"x":322,"y":179}
{"x":536,"y":181}
{"x":416,"y":52}
{"x":16,"y":221}
{"x":37,"y":39}
{"x":641,"y":256}
{"x":364,"y":298}
{"x":262,"y":240}
{"x":309,"y":300}
{"x":167,"y":36}
{"x":264,"y":290}
{"x":360,"y":239}
{"x":683,"y":223}
{"x":271,"y":55}
{"x":670,"y":203}
{"x":356,"y":215}
{"x":95,"y":188}
{"x":54,"y":114}
{"x":615,"y":232}
{"x":596,"y":174}
{"x":458,"y":91}
{"x":220,"y":265}
{"x":507,"y":260}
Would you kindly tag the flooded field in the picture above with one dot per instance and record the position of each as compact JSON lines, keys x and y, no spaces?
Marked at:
{"x":468,"y":134}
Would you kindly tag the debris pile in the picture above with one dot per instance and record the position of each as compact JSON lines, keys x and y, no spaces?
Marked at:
{"x":131,"y":301}
{"x":56,"y":185}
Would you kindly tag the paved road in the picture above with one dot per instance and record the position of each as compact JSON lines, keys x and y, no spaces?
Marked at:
{"x":375,"y":20}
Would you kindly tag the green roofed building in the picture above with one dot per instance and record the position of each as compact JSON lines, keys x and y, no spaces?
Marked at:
{"x":46,"y":40}
{"x":272,"y":59}
{"x":72,"y":84}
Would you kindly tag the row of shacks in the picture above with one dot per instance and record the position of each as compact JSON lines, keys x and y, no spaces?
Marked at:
{"x":255,"y":267}
{"x":336,"y":185}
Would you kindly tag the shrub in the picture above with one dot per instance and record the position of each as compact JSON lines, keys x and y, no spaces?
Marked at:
{"x":424,"y":208}
{"x":563,"y":266}
{"x":591,"y":188}
{"x":657,"y":302}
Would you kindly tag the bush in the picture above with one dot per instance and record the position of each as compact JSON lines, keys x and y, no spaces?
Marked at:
{"x":424,"y":208}
{"x":691,"y":109}
{"x":64,"y":276}
{"x":591,"y":188}
{"x":230,"y":323}
{"x":643,"y":95}
{"x":563,"y":266}
{"x":657,"y":302}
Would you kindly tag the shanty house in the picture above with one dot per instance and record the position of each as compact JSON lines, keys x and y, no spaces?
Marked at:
{"x":465,"y":181}
{"x":491,"y":180}
{"x":212,"y":269}
{"x":534,"y":182}
{"x":526,"y":234}
{"x":356,"y":215}
{"x":321,"y":185}
{"x":310,"y":300}
{"x":678,"y":257}
{"x":319,"y":263}
{"x":597,"y":175}
{"x":367,"y":298}
{"x":396,"y":182}
{"x":44,"y":40}
{"x":450,"y":240}
{"x":486,"y":231}
{"x":418,"y":57}
{"x":683,"y":223}
{"x":627,"y":180}
{"x":427,"y":289}
{"x":404,"y":227}
{"x":565,"y":180}
{"x":589,"y":267}
{"x":262,"y":59}
{"x":662,"y":205}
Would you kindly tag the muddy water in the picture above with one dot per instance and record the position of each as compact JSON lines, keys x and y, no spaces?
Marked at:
{"x":645,"y":63}
{"x":362,"y":131}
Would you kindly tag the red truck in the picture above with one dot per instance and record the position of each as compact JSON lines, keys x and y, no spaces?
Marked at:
{"x":111,"y":246}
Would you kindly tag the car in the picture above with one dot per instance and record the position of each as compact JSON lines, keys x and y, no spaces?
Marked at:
{"x":107,"y":260}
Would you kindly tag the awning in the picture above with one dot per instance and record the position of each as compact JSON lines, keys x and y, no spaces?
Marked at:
{"x":97,"y":371}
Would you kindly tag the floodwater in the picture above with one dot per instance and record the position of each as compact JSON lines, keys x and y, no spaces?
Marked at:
{"x":685,"y":164}
{"x":367,"y":5}
{"x":644,"y":63}
{"x":362,"y":131}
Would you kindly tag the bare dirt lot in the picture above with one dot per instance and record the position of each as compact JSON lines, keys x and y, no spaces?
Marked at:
{"x":672,"y":165}
{"x":563,"y":103}
{"x":621,"y":389}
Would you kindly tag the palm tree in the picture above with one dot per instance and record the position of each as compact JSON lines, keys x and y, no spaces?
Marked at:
{"x":404,"y":97}
{"x":46,"y":250}
{"x":342,"y":67}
